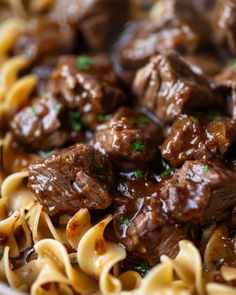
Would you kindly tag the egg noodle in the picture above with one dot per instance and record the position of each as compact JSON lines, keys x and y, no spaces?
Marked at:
{"x":92,"y":264}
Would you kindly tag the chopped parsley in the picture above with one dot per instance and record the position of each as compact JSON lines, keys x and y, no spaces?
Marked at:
{"x":47,"y":153}
{"x":124,"y":221}
{"x":138,"y":146}
{"x":204,"y":267}
{"x":100,"y":168}
{"x":142,"y":120}
{"x":74,"y":261}
{"x":57,"y":107}
{"x":205,"y":169}
{"x":138,"y":173}
{"x":83,"y":62}
{"x":193,"y":119}
{"x":34,"y":112}
{"x":165,"y":173}
{"x":218,"y":263}
{"x":101,"y":118}
{"x":75,"y":120}
{"x":143,"y":268}
{"x":28,"y":218}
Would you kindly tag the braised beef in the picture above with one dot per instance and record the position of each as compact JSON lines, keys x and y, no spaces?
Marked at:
{"x":44,"y":40}
{"x":201,"y":192}
{"x":226,"y":83}
{"x":97,"y":21}
{"x":141,"y":224}
{"x":129,"y":137}
{"x":167,"y":86}
{"x":72,"y":178}
{"x":195,"y":137}
{"x":89,"y":84}
{"x":178,"y":26}
{"x":39,"y":125}
{"x":225,"y":19}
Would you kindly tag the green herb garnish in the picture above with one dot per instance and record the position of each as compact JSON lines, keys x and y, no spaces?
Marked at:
{"x":74,"y":261}
{"x":205,"y":169}
{"x":166,"y":172}
{"x":124,"y":221}
{"x":218,"y":263}
{"x":143,"y":268}
{"x":138,"y":173}
{"x":100,"y":168}
{"x":193,"y":119}
{"x":204,"y":267}
{"x":142,"y":120}
{"x":101,"y":119}
{"x":57,"y":107}
{"x":138,"y":146}
{"x":83,"y":62}
{"x":75,"y":120}
{"x":28,"y":218}
{"x":34,"y":112}
{"x":46,"y":154}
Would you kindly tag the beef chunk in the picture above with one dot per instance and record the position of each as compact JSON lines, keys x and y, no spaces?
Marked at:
{"x":200,"y":192}
{"x":225,"y":16}
{"x":178,"y":26}
{"x":167,"y":86}
{"x":72,"y":178}
{"x":141,"y":225}
{"x":97,"y":21}
{"x":89,"y":84}
{"x":129,"y":137}
{"x":43,"y":40}
{"x":226,"y":83}
{"x":39,"y":124}
{"x":193,"y":138}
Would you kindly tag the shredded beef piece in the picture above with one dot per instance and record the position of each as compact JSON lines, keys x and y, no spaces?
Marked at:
{"x":97,"y":21}
{"x":196,"y":138}
{"x":224,"y":23}
{"x":89,"y":84}
{"x":167,"y":86}
{"x":44,"y":40}
{"x":201,"y":192}
{"x":39,"y":125}
{"x":177,"y":26}
{"x":226,"y":83}
{"x":141,"y":224}
{"x":129,"y":136}
{"x":72,"y":178}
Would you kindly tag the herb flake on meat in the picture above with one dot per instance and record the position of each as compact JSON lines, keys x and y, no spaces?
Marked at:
{"x":218,"y":263}
{"x":143,"y":269}
{"x":205,"y":169}
{"x":34,"y":112}
{"x":138,"y":146}
{"x":101,"y":118}
{"x":124,"y":221}
{"x":84,"y":62}
{"x":75,"y":121}
{"x":138,"y":173}
{"x":166,"y":172}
